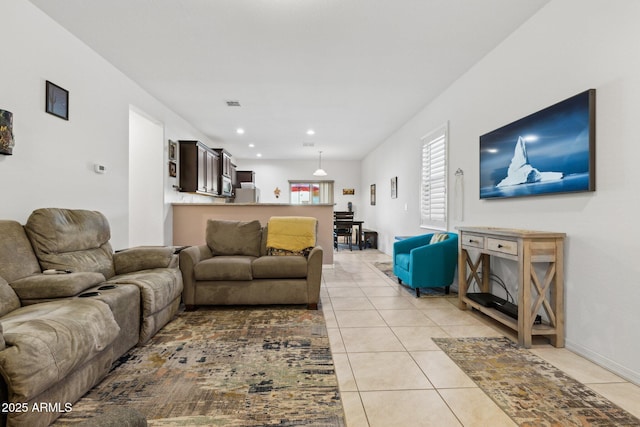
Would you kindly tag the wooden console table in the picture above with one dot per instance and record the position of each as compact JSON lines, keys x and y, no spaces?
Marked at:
{"x":526,"y":248}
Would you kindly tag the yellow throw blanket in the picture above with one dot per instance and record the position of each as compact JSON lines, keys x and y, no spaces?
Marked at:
{"x":291,"y":233}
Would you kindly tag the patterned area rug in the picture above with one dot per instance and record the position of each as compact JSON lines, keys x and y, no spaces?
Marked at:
{"x":387,"y":269}
{"x":266,"y":366}
{"x":531,"y":391}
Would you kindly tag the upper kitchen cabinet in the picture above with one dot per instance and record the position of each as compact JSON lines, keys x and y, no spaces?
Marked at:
{"x":199,"y":168}
{"x":225,"y":184}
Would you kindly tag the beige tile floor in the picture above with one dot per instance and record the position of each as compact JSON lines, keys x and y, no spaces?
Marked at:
{"x":389,"y":371}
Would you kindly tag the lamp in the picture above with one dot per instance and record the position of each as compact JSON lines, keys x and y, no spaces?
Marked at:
{"x":320,"y":171}
{"x":6,"y":132}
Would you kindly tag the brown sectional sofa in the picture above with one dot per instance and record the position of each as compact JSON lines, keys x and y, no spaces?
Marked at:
{"x":60,"y":333}
{"x":235,"y":268}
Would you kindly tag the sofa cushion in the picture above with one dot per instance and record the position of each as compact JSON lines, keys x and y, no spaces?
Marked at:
{"x":76,"y":240}
{"x":158,"y":287}
{"x":224,"y":268}
{"x":8,"y":299}
{"x":402,"y":261}
{"x":234,"y":237}
{"x":17,"y":259}
{"x":46,"y":342}
{"x":288,"y":267}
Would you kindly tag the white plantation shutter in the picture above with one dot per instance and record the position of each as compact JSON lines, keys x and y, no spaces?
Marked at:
{"x":433,"y":191}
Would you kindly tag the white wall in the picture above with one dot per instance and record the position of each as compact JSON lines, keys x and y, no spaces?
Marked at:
{"x":277,"y":173}
{"x":568,"y":47}
{"x":52,"y":162}
{"x":146,"y":180}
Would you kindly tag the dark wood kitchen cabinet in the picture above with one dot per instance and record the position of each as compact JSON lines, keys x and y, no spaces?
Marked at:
{"x":199,"y":168}
{"x":225,"y":186}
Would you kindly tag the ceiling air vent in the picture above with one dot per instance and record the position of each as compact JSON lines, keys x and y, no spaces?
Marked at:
{"x":233,"y":103}
{"x":308,"y":144}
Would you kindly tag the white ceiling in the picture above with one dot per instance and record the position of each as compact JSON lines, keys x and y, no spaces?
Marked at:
{"x":352,"y":70}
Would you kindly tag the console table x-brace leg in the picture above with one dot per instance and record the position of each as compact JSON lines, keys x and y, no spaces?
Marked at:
{"x":542,"y":289}
{"x":481,"y":279}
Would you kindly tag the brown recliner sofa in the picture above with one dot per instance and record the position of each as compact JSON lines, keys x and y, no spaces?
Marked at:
{"x":78,"y":241}
{"x":235,"y":268}
{"x":62,"y":332}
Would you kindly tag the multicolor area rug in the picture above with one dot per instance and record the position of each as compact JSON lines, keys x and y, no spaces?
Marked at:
{"x":531,"y":391}
{"x":387,"y":269}
{"x":226,"y":367}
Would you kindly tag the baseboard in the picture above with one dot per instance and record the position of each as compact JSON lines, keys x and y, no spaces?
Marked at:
{"x":604,"y":362}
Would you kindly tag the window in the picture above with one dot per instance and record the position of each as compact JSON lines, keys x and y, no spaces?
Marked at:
{"x":310,"y":192}
{"x":433,"y":183}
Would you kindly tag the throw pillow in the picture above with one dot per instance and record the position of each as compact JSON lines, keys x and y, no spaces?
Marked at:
{"x":438,"y":237}
{"x":234,"y":237}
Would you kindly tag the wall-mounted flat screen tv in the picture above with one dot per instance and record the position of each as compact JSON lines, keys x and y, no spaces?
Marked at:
{"x":550,"y":151}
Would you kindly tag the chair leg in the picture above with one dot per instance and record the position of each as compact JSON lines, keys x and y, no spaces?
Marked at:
{"x":417,"y":292}
{"x":446,"y":290}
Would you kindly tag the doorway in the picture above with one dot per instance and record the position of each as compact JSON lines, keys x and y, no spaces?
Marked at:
{"x":146,"y":180}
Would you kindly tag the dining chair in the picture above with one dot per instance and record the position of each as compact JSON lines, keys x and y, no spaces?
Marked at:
{"x":343,"y":227}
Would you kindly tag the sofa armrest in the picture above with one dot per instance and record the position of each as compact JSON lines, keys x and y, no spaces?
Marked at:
{"x":189,"y":257}
{"x":143,"y":258}
{"x":314,"y":276}
{"x":45,"y":286}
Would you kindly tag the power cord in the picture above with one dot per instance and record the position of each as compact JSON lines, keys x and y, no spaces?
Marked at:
{"x":496,"y":279}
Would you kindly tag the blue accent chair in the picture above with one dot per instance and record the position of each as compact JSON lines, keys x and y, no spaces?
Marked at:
{"x":419,"y":264}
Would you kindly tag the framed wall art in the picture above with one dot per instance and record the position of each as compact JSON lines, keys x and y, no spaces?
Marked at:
{"x":348,"y":191}
{"x":57,"y":101}
{"x":394,"y":187}
{"x":173,"y":150}
{"x":373,"y":194}
{"x":173,"y":169}
{"x":548,"y":152}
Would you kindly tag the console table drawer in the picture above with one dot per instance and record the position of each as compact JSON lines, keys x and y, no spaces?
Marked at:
{"x":509,"y":247}
{"x":473,"y":240}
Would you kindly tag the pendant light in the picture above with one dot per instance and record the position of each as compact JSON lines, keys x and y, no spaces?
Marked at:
{"x":320,"y":171}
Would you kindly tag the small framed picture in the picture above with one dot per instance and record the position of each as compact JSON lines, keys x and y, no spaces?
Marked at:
{"x":394,"y":187}
{"x":348,"y":191}
{"x":173,"y":150}
{"x":373,"y":194}
{"x":173,"y":169}
{"x":57,"y":101}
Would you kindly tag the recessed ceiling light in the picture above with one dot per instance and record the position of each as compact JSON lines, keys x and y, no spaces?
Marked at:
{"x":311,"y":132}
{"x":240,"y":131}
{"x":259,"y":155}
{"x":252,"y":145}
